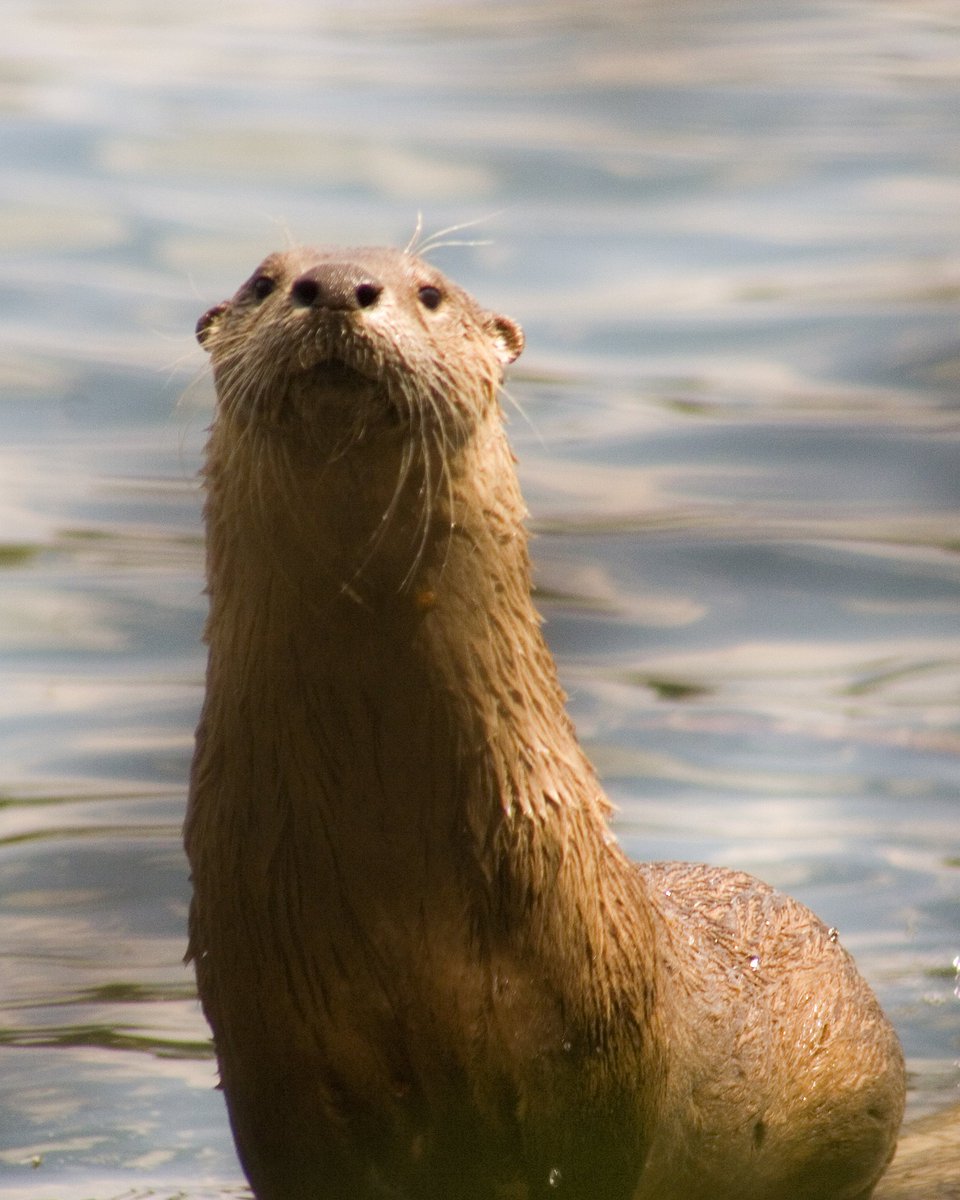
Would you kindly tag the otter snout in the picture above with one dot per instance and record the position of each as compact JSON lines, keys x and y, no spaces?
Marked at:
{"x":335,"y":285}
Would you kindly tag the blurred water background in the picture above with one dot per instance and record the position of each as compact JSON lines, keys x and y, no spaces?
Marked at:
{"x":731,"y":229}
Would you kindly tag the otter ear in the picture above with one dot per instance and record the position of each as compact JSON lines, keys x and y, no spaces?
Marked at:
{"x":208,"y":321}
{"x":507,"y":337}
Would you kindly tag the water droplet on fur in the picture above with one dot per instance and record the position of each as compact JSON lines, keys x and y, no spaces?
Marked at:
{"x":755,"y":962}
{"x":833,"y":934}
{"x":567,"y":1047}
{"x":555,"y":1178}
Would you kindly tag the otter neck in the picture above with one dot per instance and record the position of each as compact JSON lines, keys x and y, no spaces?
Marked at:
{"x":391,"y":627}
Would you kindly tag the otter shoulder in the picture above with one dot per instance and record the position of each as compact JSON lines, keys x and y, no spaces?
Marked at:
{"x":783,"y":1065}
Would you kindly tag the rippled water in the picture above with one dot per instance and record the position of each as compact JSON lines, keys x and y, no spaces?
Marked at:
{"x":730,"y":230}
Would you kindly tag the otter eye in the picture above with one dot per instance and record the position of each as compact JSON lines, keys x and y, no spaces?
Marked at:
{"x":262,"y":286}
{"x":430,"y":297}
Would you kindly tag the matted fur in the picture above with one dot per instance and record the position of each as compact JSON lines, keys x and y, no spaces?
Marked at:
{"x":429,"y":969}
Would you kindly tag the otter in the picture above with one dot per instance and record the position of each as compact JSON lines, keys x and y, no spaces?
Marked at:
{"x":429,"y":969}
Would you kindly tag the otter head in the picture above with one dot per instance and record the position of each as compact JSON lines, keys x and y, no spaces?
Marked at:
{"x":336,"y":342}
{"x":352,"y":385}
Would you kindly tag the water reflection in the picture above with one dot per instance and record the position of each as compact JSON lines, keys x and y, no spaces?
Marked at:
{"x":732,"y":239}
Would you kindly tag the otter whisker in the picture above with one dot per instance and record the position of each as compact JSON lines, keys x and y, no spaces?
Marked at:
{"x":412,"y":244}
{"x":507,"y":395}
{"x":436,"y":240}
{"x":408,"y":461}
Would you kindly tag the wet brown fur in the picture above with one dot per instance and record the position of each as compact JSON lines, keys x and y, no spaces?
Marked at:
{"x":429,"y":969}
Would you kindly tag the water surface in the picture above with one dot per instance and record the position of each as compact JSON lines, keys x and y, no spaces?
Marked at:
{"x":730,"y":232}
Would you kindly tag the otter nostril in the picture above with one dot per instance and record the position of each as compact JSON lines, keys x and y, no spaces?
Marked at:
{"x":334,"y":286}
{"x":305,"y":292}
{"x":368,"y":294}
{"x":208,"y":320}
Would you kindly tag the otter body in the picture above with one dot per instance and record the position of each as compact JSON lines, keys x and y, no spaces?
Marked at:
{"x":429,"y":970}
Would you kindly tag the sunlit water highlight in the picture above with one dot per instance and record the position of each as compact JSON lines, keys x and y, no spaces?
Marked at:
{"x":730,"y":231}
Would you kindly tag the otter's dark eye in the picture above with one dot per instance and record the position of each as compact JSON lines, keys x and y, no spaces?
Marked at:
{"x":430,"y":297}
{"x":262,"y":286}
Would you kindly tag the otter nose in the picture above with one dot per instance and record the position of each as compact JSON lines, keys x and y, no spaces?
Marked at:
{"x":335,"y":285}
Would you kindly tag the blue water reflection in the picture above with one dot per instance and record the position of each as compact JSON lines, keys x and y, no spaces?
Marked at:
{"x":730,"y":233}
